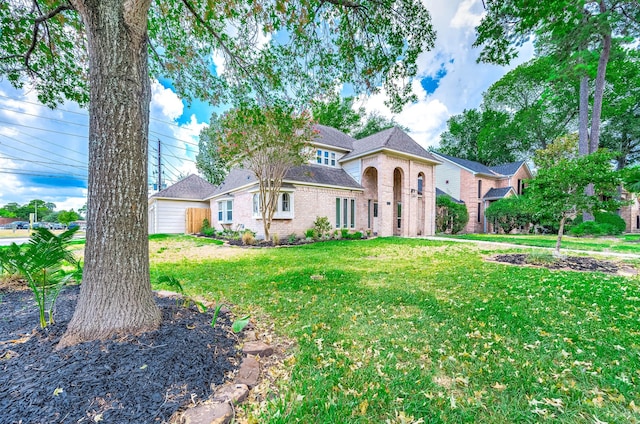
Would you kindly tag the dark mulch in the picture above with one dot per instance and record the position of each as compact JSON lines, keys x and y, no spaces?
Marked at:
{"x":140,"y":380}
{"x":576,"y":263}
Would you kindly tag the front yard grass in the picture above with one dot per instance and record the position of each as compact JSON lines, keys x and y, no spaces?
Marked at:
{"x":412,"y":331}
{"x":628,"y":243}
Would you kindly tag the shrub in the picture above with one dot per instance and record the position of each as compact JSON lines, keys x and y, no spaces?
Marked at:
{"x":322,"y":226}
{"x":248,"y":238}
{"x":605,"y":224}
{"x":337,"y":234}
{"x":292,"y":238}
{"x":508,"y":213}
{"x":208,"y":231}
{"x":40,"y":263}
{"x":311,"y":234}
{"x":205,"y":225}
{"x":357,"y":235}
{"x":344,"y":233}
{"x":613,"y":219}
{"x":275,"y":239}
{"x":450,"y":216}
{"x":593,"y":228}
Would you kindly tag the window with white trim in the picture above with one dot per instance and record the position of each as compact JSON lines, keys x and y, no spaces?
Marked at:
{"x":345,"y":213}
{"x":225,"y":211}
{"x":325,"y":157}
{"x":284,"y":209}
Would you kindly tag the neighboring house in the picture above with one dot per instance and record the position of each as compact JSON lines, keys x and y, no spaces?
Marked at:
{"x":631,"y":212}
{"x":384,"y":183}
{"x":168,"y":207}
{"x":478,"y":185}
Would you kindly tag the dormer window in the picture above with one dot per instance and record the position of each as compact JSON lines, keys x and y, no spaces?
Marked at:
{"x":325,"y":157}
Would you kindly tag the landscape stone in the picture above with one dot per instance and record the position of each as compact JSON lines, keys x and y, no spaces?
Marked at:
{"x":217,"y":413}
{"x":257,"y":348}
{"x":249,"y":372}
{"x":234,"y":393}
{"x":250,"y":336}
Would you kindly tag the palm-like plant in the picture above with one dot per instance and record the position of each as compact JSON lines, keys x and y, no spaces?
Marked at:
{"x":40,"y":262}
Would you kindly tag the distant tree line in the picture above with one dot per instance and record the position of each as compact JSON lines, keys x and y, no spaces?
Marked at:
{"x":46,"y":212}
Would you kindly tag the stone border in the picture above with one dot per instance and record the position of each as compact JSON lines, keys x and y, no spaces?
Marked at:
{"x":220,"y":407}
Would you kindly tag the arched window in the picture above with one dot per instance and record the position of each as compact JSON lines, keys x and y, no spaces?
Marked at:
{"x":286,"y":202}
{"x":420,"y":184}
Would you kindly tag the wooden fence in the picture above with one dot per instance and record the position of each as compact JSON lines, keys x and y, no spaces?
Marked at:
{"x":194,"y":218}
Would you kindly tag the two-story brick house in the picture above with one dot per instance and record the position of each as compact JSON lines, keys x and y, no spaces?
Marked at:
{"x":478,"y":185}
{"x":384,"y":183}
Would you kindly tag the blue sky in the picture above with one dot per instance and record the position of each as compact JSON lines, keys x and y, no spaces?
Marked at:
{"x":43,"y":152}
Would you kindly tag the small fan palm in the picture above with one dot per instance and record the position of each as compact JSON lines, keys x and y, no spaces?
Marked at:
{"x":39,"y":262}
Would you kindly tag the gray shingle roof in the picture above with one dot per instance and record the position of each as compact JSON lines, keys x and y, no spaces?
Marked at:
{"x":392,"y":139}
{"x":497,"y":193}
{"x":442,"y":193}
{"x":507,"y":168}
{"x":237,"y":177}
{"x":333,"y":137}
{"x":324,"y":175}
{"x":192,"y":187}
{"x":473,"y":166}
{"x":314,"y":174}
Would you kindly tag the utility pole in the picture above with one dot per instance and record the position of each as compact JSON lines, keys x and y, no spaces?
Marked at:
{"x":159,"y":167}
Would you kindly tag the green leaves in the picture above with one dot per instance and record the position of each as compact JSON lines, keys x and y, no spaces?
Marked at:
{"x":40,"y":262}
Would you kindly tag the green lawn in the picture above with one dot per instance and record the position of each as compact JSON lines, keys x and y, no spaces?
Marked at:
{"x":413,"y":331}
{"x":621,"y":244}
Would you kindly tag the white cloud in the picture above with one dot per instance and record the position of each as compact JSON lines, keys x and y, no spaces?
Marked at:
{"x":467,"y":15}
{"x":165,"y":102}
{"x":465,"y":80}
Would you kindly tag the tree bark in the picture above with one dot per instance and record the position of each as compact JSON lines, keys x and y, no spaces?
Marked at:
{"x":115,"y":296}
{"x":583,"y":117}
{"x":560,"y":233}
{"x":598,"y":94}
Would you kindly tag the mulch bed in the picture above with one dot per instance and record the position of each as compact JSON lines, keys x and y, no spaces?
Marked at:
{"x":145,"y":379}
{"x":576,"y":263}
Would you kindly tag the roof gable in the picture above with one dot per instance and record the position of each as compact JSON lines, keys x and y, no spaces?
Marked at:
{"x":507,"y":169}
{"x":332,"y":137}
{"x":391,"y":139}
{"x":498,"y":193}
{"x":473,"y":166}
{"x":192,"y":187}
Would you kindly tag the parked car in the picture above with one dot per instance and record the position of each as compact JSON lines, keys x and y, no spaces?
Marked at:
{"x":20,"y":225}
{"x":56,"y":226}
{"x":73,"y":225}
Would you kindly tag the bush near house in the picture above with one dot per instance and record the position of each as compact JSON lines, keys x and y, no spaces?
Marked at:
{"x":604,"y":224}
{"x":451,"y":217}
{"x":509,"y":213}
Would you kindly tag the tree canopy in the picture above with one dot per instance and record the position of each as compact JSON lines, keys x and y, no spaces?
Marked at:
{"x":578,"y":34}
{"x":268,"y":141}
{"x":558,"y":190}
{"x":103,"y":53}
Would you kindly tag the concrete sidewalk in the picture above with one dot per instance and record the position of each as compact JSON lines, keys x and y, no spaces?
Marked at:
{"x":496,"y":244}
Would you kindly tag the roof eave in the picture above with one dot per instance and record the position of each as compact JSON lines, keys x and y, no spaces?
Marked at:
{"x":396,"y":152}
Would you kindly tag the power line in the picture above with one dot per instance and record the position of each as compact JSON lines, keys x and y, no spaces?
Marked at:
{"x":37,"y":148}
{"x":43,"y":174}
{"x":43,"y":129}
{"x":46,"y":117}
{"x":80,"y":113}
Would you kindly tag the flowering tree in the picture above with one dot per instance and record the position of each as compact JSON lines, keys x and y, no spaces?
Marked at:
{"x":268,"y":141}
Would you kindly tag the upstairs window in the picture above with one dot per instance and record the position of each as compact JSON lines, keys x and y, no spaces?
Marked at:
{"x":325,"y":157}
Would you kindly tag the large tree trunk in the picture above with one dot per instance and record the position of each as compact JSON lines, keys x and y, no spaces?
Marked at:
{"x":583,"y":117}
{"x":598,"y":94}
{"x":115,"y":296}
